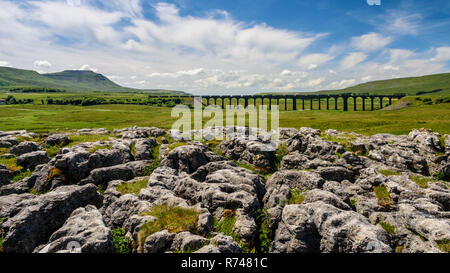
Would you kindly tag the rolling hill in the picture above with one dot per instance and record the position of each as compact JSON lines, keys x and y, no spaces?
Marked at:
{"x":438,"y":84}
{"x":68,"y":80}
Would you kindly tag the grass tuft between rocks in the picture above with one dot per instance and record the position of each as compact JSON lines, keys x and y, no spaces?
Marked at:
{"x":444,"y":245}
{"x":422,"y":181}
{"x":173,"y":219}
{"x":296,"y":197}
{"x":389,"y":172}
{"x":133,"y":188}
{"x":388,"y":227}
{"x":383,"y":196}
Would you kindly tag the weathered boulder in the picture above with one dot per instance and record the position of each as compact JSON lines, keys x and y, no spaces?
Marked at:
{"x":320,"y":227}
{"x":86,"y":229}
{"x":24,"y":148}
{"x":186,"y":242}
{"x":279,"y":188}
{"x":257,"y":153}
{"x":31,"y":226}
{"x":123,"y":208}
{"x":57,"y":139}
{"x":29,"y":161}
{"x":188,"y":158}
{"x":4,"y":176}
{"x":144,"y":148}
{"x":158,"y":242}
{"x":336,"y":173}
{"x":118,"y":172}
{"x":226,"y":244}
{"x":139,"y":132}
{"x":100,"y":131}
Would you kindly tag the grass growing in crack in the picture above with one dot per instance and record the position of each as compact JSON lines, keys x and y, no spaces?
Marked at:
{"x":399,"y":249}
{"x":173,"y":219}
{"x":422,"y":181}
{"x":100,"y":147}
{"x":281,"y":152}
{"x":133,"y":149}
{"x":388,"y":227}
{"x":133,"y":188}
{"x":121,"y":243}
{"x":1,"y":242}
{"x":296,"y":197}
{"x":383,"y":196}
{"x":444,"y":245}
{"x":265,"y":231}
{"x":389,"y":172}
{"x":10,"y":164}
{"x":21,"y":176}
{"x":226,"y":224}
{"x":37,"y":193}
{"x":77,"y":139}
{"x":155,"y":162}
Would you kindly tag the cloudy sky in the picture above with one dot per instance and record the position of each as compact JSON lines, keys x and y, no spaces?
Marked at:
{"x":232,"y":46}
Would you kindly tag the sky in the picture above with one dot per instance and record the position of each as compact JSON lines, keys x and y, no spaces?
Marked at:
{"x":227,"y":47}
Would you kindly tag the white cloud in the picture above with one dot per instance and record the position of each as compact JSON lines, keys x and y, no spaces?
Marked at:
{"x":397,"y":55}
{"x":391,"y":67}
{"x":312,"y":61}
{"x":42,"y":64}
{"x":220,"y":37}
{"x":442,"y":54}
{"x":352,"y":60}
{"x":205,"y":54}
{"x":371,"y":42}
{"x":341,"y":84}
{"x":86,"y":67}
{"x":400,"y":23}
{"x":4,"y":63}
{"x":366,"y":78}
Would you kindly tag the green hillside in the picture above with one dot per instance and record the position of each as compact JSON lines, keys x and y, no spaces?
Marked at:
{"x":438,"y":84}
{"x":69,"y":80}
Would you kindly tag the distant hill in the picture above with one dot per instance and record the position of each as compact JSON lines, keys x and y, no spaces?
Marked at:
{"x":68,"y":80}
{"x":438,"y":84}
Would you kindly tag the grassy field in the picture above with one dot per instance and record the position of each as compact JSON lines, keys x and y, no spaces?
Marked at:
{"x":48,"y":118}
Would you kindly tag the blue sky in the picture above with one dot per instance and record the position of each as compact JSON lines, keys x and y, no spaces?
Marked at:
{"x":229,"y":47}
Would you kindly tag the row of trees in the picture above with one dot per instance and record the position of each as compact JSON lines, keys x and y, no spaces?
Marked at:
{"x":36,"y":90}
{"x":87,"y":101}
{"x":11,"y":100}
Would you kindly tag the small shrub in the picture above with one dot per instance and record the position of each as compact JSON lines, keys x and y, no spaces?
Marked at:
{"x":134,"y":188}
{"x":282,"y":151}
{"x":296,"y":197}
{"x":439,"y":175}
{"x":121,"y":243}
{"x":265,"y":231}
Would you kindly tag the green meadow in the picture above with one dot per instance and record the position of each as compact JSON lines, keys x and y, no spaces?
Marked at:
{"x":413,"y":113}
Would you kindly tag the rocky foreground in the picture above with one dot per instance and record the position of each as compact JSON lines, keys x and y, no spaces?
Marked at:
{"x":142,"y":191}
